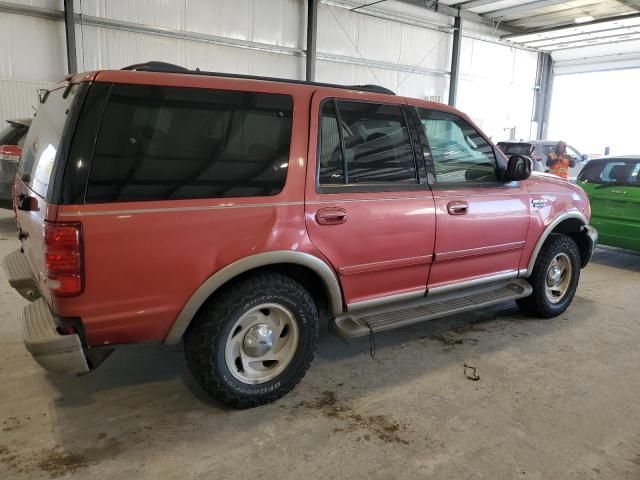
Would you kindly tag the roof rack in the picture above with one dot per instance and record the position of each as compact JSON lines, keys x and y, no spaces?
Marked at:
{"x":171,"y":68}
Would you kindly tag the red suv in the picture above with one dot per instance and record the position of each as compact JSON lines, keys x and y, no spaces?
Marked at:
{"x":236,"y":213}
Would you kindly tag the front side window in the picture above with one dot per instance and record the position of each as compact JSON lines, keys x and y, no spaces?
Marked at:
{"x":166,"y":143}
{"x":460,"y":154}
{"x":364,"y":144}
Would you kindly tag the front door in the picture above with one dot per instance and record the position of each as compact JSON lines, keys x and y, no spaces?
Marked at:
{"x":614,"y":193}
{"x":481,"y":222}
{"x":368,"y":211}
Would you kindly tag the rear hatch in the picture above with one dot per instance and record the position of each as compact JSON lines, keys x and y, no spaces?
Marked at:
{"x":42,"y":160}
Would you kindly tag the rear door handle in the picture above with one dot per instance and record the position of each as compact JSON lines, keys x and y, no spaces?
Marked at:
{"x":331,"y":216}
{"x":457,"y":208}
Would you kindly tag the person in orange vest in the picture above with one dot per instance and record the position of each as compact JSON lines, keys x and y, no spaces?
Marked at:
{"x":559,"y":161}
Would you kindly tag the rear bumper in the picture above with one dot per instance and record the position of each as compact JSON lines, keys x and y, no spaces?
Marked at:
{"x":591,"y":236}
{"x":19,"y":275}
{"x":54,"y":352}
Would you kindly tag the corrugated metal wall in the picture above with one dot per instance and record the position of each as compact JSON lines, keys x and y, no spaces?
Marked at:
{"x":399,"y":46}
{"x":19,"y":99}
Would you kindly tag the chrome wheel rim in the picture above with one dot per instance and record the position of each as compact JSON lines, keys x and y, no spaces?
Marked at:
{"x":261,"y":343}
{"x":558,"y":278}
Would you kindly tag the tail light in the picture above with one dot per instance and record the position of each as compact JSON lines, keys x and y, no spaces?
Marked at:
{"x":63,"y":258}
{"x":10,"y":152}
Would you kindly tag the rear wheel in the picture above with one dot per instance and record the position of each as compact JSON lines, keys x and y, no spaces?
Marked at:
{"x":554,"y":278}
{"x":253,"y":342}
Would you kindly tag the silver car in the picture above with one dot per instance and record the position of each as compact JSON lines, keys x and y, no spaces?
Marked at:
{"x":11,"y":141}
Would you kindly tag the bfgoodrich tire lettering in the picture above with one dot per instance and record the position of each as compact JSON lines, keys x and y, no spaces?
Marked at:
{"x":557,"y":250}
{"x":207,"y":340}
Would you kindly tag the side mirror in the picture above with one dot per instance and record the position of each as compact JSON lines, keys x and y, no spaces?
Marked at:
{"x":585,"y":157}
{"x":518,"y":168}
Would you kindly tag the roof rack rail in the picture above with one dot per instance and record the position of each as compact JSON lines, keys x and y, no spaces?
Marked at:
{"x":164,"y":67}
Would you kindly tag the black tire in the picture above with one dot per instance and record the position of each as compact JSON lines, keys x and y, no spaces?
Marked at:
{"x":206,"y":338}
{"x":537,"y":304}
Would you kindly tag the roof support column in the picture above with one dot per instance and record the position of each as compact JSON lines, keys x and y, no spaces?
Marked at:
{"x":455,"y":61}
{"x":544,"y":87}
{"x":70,"y":31}
{"x":312,"y":34}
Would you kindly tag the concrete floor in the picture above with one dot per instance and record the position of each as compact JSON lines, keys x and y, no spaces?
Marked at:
{"x":556,"y":399}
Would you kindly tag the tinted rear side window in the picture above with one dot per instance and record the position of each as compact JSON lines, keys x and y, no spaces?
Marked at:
{"x":616,"y":172}
{"x":41,"y":147}
{"x":159,"y":143}
{"x":371,"y":147}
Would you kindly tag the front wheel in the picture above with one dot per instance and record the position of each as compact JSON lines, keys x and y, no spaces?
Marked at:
{"x":253,"y":342}
{"x":554,"y":278}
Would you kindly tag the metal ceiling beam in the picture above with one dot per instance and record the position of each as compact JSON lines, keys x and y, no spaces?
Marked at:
{"x":631,"y":4}
{"x":596,"y":44}
{"x":454,"y":12}
{"x":512,"y":36}
{"x":511,"y":11}
{"x":545,"y":42}
{"x":475,"y":4}
{"x":554,"y":18}
{"x":587,"y":41}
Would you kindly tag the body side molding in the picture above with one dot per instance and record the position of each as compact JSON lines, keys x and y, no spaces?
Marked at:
{"x":569,"y":214}
{"x":329,"y":280}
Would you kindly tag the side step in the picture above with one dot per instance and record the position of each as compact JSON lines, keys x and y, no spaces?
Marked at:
{"x":387,"y":317}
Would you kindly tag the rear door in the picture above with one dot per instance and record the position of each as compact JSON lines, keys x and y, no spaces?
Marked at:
{"x":614,"y":193}
{"x":44,"y":149}
{"x":481,"y":221}
{"x":368,"y":207}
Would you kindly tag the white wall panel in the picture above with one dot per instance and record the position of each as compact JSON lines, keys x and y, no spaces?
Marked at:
{"x":107,"y":48}
{"x":54,"y":4}
{"x":277,"y":22}
{"x":407,"y":51}
{"x":31,"y":49}
{"x":17,"y":99}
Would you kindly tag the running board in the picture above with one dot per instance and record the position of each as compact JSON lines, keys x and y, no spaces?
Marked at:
{"x":387,"y":317}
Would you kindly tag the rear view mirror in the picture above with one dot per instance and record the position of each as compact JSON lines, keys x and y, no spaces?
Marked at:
{"x":518,"y":168}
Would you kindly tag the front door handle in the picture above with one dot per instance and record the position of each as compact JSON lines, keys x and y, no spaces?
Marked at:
{"x":457,"y":208}
{"x":331,"y":216}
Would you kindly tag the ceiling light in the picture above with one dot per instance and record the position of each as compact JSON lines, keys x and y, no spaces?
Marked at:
{"x":586,"y":18}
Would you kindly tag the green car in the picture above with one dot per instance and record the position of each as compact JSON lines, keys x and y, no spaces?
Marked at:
{"x":613,"y":186}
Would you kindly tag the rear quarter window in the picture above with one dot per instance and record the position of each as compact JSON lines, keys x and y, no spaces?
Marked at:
{"x":41,"y":148}
{"x":163,"y":143}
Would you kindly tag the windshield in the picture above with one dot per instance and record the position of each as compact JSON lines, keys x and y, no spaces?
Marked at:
{"x":40,"y":150}
{"x":515,"y":148}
